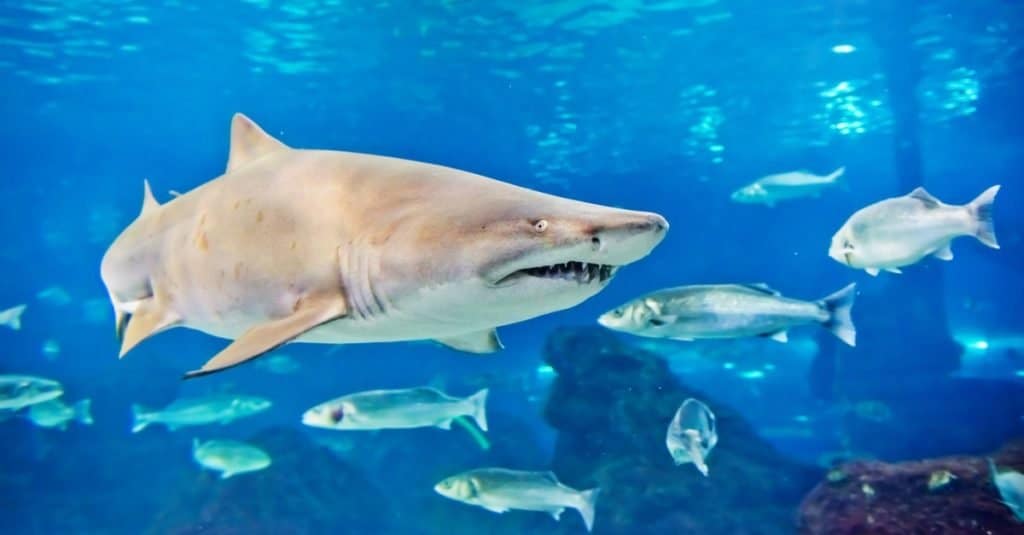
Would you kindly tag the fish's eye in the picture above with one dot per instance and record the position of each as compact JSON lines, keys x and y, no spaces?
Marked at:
{"x":847,"y":245}
{"x":337,"y":414}
{"x":655,"y":322}
{"x":540,"y":225}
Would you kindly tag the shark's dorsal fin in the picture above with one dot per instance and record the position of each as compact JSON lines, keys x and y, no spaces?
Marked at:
{"x":761,"y":287}
{"x":249,"y":142}
{"x":148,"y":201}
{"x":922,"y":195}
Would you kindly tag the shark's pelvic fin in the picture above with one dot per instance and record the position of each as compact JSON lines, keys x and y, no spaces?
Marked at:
{"x":148,"y":201}
{"x":249,"y":142}
{"x":478,"y":342}
{"x":309,"y":313}
{"x":150,"y":317}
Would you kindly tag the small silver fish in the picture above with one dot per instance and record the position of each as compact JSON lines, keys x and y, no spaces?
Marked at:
{"x":794,"y":185}
{"x":901,"y":231}
{"x":19,"y":391}
{"x":501,"y":489}
{"x":218,"y":408}
{"x":1010,"y":484}
{"x":11,"y":318}
{"x":691,"y":434}
{"x":229,"y":457}
{"x":397,"y":409}
{"x":730,"y":311}
{"x":55,"y":413}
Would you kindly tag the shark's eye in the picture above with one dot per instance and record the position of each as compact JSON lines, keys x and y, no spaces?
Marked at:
{"x":540,"y":225}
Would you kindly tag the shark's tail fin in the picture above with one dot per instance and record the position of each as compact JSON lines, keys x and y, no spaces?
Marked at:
{"x":141,"y":418}
{"x":83,"y":411}
{"x":981,"y":210}
{"x":587,"y":506}
{"x":834,"y":176}
{"x":479,"y":404}
{"x":12,"y":317}
{"x":840,"y":322}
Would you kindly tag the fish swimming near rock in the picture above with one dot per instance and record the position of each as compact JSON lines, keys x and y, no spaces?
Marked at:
{"x":1010,"y":484}
{"x":784,"y":186}
{"x":202,"y":410}
{"x":20,"y":391}
{"x":397,"y":409}
{"x":730,"y":311}
{"x":229,"y":457}
{"x":56,"y":413}
{"x":901,"y":231}
{"x":338,"y":247}
{"x":500,"y":489}
{"x":692,"y":434}
{"x":11,"y":318}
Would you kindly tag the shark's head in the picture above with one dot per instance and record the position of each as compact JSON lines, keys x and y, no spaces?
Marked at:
{"x":753,"y":193}
{"x":490,"y":253}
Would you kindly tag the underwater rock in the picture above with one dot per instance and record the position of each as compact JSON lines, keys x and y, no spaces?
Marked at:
{"x":611,"y":405}
{"x":944,"y":495}
{"x":305,"y":490}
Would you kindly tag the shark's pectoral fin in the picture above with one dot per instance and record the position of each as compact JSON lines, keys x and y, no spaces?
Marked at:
{"x":249,"y":142}
{"x":478,"y":342}
{"x":260,"y":339}
{"x":149,"y":318}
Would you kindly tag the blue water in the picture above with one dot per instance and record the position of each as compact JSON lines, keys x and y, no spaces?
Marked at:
{"x":665,"y":106}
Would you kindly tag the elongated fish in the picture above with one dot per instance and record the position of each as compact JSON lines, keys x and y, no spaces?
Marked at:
{"x":500,"y":489}
{"x":1010,"y":484}
{"x":397,"y":409}
{"x":55,"y":413}
{"x":794,"y":185}
{"x":201,"y":410}
{"x":338,"y":247}
{"x":20,"y":391}
{"x":229,"y":457}
{"x":692,"y":434}
{"x":901,"y":231}
{"x":730,"y":311}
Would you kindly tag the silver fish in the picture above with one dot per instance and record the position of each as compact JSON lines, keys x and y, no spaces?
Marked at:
{"x":11,"y":318}
{"x":901,"y":231}
{"x":501,"y":489}
{"x":397,"y":409}
{"x":1010,"y":484}
{"x":55,"y":413}
{"x":218,"y":408}
{"x":229,"y":457}
{"x":730,"y":311}
{"x":691,"y":434}
{"x":794,"y":185}
{"x":19,"y":391}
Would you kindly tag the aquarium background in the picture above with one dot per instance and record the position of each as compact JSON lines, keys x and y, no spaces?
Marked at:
{"x":666,"y":106}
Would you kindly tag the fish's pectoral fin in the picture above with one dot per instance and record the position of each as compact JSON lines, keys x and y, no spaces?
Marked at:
{"x":871,"y":271}
{"x":478,"y":342}
{"x":149,"y":318}
{"x":309,"y":313}
{"x":944,"y":253}
{"x":778,"y":336}
{"x":495,"y":508}
{"x":897,"y":271}
{"x":556,"y":513}
{"x":249,"y":142}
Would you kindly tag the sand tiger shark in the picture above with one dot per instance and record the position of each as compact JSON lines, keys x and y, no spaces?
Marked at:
{"x":323,"y":246}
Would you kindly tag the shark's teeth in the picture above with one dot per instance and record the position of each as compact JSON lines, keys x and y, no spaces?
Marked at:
{"x":582,"y":272}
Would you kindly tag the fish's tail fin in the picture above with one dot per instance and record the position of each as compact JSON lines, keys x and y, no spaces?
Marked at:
{"x":478,"y":402}
{"x":83,"y":411}
{"x":141,"y":418}
{"x":587,"y":506}
{"x":834,"y":176}
{"x":12,"y":317}
{"x":840,"y":322}
{"x":981,"y":211}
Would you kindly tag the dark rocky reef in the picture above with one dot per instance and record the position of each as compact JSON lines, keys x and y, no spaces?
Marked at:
{"x":305,"y":490}
{"x":612,"y":404}
{"x":880,"y":498}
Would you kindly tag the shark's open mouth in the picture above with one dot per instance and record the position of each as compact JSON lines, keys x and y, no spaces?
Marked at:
{"x":581,"y":272}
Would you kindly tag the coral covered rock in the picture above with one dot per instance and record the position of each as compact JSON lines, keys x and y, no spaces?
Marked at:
{"x":612,"y":404}
{"x":946,"y":495}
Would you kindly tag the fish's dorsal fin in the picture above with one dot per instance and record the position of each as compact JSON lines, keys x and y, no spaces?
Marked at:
{"x":762,"y":287}
{"x":148,"y":200}
{"x":249,"y":142}
{"x":927,"y":198}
